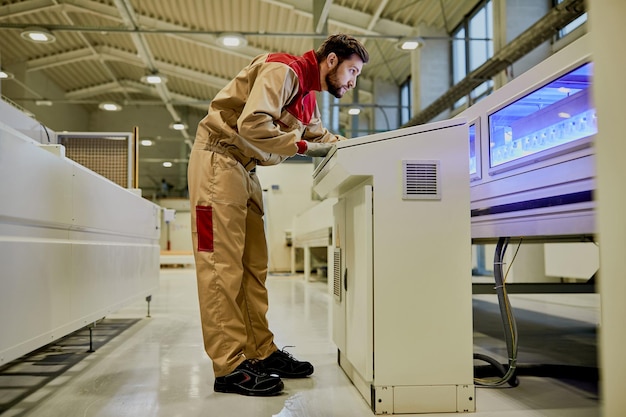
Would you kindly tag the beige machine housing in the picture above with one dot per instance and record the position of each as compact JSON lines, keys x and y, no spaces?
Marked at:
{"x":402,"y":314}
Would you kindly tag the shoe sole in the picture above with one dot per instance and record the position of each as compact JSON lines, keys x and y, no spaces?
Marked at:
{"x":282,"y":374}
{"x":236,"y":389}
{"x":288,"y":376}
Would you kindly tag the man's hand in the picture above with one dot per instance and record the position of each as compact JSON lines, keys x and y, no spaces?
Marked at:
{"x":319,"y":149}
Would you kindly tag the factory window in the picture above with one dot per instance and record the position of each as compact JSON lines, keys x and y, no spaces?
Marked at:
{"x":472,"y":45}
{"x":573,"y":25}
{"x":406,"y":108}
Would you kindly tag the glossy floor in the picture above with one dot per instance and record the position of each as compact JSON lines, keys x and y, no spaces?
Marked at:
{"x":158,"y":367}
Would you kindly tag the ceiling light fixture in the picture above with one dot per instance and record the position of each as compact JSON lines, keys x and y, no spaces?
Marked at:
{"x":109,"y":106}
{"x":353,"y":111}
{"x":409,"y":44}
{"x":232,"y":40}
{"x":38,"y":35}
{"x":5,"y":75}
{"x":146,"y":142}
{"x":153,"y":79}
{"x":167,"y":164}
{"x":178,"y":126}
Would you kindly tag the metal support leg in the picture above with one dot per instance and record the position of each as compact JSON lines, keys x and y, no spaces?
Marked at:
{"x":91,"y":338}
{"x":307,"y":264}
{"x":148,"y":299}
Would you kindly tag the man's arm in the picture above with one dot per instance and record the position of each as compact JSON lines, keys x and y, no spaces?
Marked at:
{"x":272,"y":88}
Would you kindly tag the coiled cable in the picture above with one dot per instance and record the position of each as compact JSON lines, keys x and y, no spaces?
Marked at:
{"x":507,"y":374}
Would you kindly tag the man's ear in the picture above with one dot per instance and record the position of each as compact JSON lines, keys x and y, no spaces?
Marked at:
{"x":332,"y":60}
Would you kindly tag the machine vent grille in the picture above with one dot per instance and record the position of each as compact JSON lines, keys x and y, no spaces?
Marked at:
{"x":420,"y":180}
{"x":337,"y":274}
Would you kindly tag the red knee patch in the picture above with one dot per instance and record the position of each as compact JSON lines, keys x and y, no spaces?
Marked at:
{"x":204,"y":224}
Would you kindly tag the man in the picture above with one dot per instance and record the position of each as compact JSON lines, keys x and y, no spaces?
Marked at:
{"x":266,"y":114}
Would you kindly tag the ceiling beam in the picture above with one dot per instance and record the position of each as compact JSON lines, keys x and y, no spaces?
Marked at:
{"x":24,"y":8}
{"x":376,"y":16}
{"x":60,"y":59}
{"x":109,"y":53}
{"x":125,"y":8}
{"x":85,"y":95}
{"x":349,"y":18}
{"x":96,"y":90}
{"x":321,"y":8}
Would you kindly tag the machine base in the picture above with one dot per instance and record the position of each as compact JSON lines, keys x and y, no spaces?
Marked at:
{"x":414,"y":399}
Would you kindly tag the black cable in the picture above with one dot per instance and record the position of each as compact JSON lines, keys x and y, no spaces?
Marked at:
{"x":45,"y":130}
{"x":507,"y":375}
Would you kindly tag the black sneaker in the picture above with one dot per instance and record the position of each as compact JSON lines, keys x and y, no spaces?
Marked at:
{"x":284,"y":365}
{"x":249,"y":379}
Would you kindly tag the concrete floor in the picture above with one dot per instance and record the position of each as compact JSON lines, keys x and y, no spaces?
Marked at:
{"x":158,"y":367}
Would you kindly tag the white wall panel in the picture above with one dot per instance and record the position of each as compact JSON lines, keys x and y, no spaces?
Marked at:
{"x":288,"y":192}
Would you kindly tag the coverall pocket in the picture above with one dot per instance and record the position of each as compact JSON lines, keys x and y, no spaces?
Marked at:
{"x":204,"y":225}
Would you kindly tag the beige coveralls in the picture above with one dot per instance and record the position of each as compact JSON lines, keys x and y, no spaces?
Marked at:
{"x":250,"y":122}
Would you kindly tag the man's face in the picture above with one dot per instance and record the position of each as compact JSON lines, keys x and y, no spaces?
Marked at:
{"x":342,"y":77}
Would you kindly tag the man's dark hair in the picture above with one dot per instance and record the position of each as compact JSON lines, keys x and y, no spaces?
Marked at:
{"x":344,"y":46}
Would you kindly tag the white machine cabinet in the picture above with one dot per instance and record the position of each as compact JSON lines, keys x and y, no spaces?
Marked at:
{"x":402,"y":313}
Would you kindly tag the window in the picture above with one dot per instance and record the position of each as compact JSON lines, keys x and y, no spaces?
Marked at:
{"x":573,"y":25}
{"x":472,"y":45}
{"x":406,"y":106}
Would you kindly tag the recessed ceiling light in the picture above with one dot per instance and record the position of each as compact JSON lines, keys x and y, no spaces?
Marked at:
{"x":167,"y":164}
{"x":109,"y":106}
{"x":154,"y":79}
{"x":38,"y":35}
{"x":5,"y":75}
{"x":146,"y":142}
{"x":178,"y":126}
{"x":409,"y":44}
{"x":232,"y":40}
{"x":353,"y":111}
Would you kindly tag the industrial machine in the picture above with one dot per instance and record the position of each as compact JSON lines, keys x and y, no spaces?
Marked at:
{"x":532,"y":170}
{"x":74,"y":246}
{"x":402,"y":314}
{"x":531,"y":155}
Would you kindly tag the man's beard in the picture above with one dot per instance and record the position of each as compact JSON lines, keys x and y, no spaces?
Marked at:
{"x":332,"y":84}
